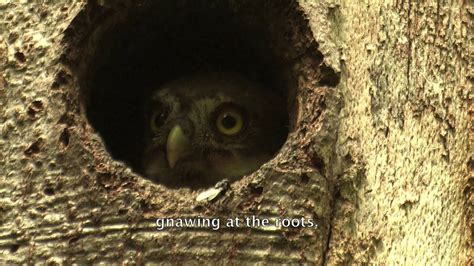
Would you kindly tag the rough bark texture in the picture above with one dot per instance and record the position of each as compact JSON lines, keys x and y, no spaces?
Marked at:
{"x":406,"y":81}
{"x":381,"y":161}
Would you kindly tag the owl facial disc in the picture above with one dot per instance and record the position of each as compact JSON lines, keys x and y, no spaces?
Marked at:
{"x":211,"y":126}
{"x":177,"y":145}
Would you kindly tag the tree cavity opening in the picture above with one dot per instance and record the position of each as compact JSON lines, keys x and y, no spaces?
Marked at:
{"x":127,"y":50}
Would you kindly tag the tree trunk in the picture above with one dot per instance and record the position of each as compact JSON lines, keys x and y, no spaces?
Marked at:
{"x":378,"y":154}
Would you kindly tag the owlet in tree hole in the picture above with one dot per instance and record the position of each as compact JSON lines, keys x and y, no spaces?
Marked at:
{"x":208,"y":127}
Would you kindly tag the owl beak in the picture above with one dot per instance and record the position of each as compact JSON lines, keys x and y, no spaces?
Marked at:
{"x":177,"y":145}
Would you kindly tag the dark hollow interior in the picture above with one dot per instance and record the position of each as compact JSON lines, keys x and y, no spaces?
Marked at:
{"x":135,"y":49}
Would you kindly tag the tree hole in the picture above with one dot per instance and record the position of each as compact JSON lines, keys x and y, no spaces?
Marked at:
{"x":123,"y":54}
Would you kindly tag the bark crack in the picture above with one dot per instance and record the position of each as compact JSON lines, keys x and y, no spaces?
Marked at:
{"x":330,"y":227}
{"x":409,"y":59}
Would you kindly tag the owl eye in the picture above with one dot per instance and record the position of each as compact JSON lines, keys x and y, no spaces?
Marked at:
{"x":158,"y":119}
{"x":230,"y":121}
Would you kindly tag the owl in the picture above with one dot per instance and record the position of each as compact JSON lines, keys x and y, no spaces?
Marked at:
{"x":211,"y":126}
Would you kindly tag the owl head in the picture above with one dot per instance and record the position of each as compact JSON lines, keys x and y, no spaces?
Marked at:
{"x":206,"y":127}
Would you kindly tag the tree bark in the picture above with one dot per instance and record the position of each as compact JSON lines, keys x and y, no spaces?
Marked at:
{"x":381,"y":159}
